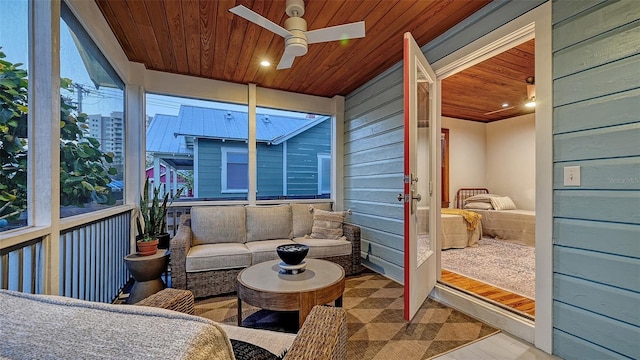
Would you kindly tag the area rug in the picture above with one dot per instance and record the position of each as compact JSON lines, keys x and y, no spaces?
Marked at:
{"x":499,"y":263}
{"x":377,"y":329}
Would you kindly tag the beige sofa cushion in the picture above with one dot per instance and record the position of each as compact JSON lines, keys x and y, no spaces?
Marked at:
{"x":327,"y":224}
{"x":303,"y":218}
{"x":265,"y":250}
{"x":218,"y":256}
{"x":218,"y":224}
{"x":319,"y":248}
{"x":268,"y":222}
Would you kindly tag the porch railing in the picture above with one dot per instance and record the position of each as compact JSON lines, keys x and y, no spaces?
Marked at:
{"x":20,"y":267}
{"x":91,"y":262}
{"x":92,"y":258}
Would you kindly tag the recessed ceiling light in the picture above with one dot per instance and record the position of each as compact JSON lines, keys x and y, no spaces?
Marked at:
{"x":265,"y":63}
{"x":530,"y":104}
{"x":505,"y":105}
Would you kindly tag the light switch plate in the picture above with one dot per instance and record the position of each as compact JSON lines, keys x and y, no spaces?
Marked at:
{"x":572,"y":176}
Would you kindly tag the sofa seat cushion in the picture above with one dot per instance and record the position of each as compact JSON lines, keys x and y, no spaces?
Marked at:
{"x":319,"y":248}
{"x":218,"y":256}
{"x":265,"y":250}
{"x":218,"y":224}
{"x":268,"y":222}
{"x":303,"y":217}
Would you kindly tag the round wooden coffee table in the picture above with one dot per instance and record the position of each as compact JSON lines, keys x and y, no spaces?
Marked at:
{"x":263,"y":285}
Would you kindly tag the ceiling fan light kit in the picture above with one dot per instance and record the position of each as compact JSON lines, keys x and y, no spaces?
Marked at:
{"x":295,"y":34}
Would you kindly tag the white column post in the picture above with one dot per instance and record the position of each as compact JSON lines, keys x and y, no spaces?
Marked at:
{"x":44,"y":132}
{"x":337,"y":153}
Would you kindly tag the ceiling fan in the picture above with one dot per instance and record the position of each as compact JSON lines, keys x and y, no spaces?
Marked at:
{"x":531,"y":97}
{"x":295,"y":31}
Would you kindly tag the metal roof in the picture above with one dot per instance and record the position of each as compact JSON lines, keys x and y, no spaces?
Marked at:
{"x":200,"y":122}
{"x":161,"y":136}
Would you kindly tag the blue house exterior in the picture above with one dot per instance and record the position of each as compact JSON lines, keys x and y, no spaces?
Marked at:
{"x":293,"y":154}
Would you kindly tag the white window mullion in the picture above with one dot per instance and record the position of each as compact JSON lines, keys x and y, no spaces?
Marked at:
{"x":44,"y":139}
{"x":253,"y":180}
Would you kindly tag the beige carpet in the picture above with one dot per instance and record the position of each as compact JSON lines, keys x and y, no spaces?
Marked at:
{"x":377,"y":329}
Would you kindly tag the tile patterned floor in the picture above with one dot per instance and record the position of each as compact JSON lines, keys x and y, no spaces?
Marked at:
{"x":377,"y":329}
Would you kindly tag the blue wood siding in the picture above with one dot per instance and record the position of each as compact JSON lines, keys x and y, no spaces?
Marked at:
{"x":374,"y":138}
{"x":209,"y":169}
{"x":596,"y":229}
{"x":269,"y":169}
{"x":302,"y":159}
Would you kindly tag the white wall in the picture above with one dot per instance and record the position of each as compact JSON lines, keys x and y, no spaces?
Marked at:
{"x":499,"y":156}
{"x":467,"y":154}
{"x":510,"y":160}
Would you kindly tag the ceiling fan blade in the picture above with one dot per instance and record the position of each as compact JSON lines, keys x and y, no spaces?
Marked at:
{"x":499,"y":110}
{"x":347,"y":31}
{"x":260,"y":20}
{"x":286,"y":61}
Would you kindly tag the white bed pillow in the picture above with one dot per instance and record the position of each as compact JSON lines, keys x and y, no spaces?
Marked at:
{"x":503,"y":203}
{"x":486,"y":198}
{"x":476,"y":205}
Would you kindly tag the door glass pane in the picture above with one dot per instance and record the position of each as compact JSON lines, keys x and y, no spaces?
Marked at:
{"x":423,"y":169}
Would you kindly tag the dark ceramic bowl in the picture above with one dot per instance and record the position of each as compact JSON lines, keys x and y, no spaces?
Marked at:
{"x":292,"y":254}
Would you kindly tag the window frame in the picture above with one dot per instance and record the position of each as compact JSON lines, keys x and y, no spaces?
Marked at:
{"x":224,"y":163}
{"x":321,"y":169}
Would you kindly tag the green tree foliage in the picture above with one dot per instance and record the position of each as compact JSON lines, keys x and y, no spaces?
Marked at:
{"x":13,"y":131}
{"x":84,"y":168}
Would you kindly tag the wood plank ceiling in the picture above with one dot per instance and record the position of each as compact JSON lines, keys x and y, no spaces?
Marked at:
{"x":201,"y":38}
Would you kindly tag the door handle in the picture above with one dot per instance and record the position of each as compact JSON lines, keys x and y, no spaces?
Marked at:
{"x":418,"y":197}
{"x":400,"y":197}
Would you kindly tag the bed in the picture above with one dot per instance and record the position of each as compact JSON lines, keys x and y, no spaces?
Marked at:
{"x":456,"y":231}
{"x":500,"y":218}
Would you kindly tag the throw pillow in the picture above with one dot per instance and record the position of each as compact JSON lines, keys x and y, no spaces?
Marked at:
{"x":246,"y":351}
{"x":326,"y":224}
{"x":503,"y":203}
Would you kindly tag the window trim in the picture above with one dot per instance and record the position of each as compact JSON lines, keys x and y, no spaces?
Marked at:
{"x":321,"y":157}
{"x":224,"y":165}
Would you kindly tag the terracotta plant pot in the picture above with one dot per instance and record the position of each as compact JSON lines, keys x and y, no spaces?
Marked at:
{"x":146,"y":248}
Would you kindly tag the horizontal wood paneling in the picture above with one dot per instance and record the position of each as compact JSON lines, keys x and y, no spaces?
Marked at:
{"x":616,"y":109}
{"x":374,"y":167}
{"x":385,"y":238}
{"x":382,"y":223}
{"x":597,"y":20}
{"x":373,"y":170}
{"x":574,"y":348}
{"x":571,"y":8}
{"x":385,"y":181}
{"x":383,"y":267}
{"x":619,"y":271}
{"x":622,"y":304}
{"x":610,"y":46}
{"x":611,"y":334}
{"x":394,"y":210}
{"x":612,"y":238}
{"x":613,"y":77}
{"x":390,"y":255}
{"x":596,"y":225}
{"x":615,"y":141}
{"x":605,"y":174}
{"x":613,"y":206}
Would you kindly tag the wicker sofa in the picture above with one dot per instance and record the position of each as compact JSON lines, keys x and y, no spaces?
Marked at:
{"x":50,"y":327}
{"x":214,"y":243}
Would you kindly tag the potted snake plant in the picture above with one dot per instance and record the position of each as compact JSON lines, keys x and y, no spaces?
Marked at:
{"x":152,"y":219}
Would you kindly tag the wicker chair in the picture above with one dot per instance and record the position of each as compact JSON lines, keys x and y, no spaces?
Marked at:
{"x":323,"y":336}
{"x":216,"y":282}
